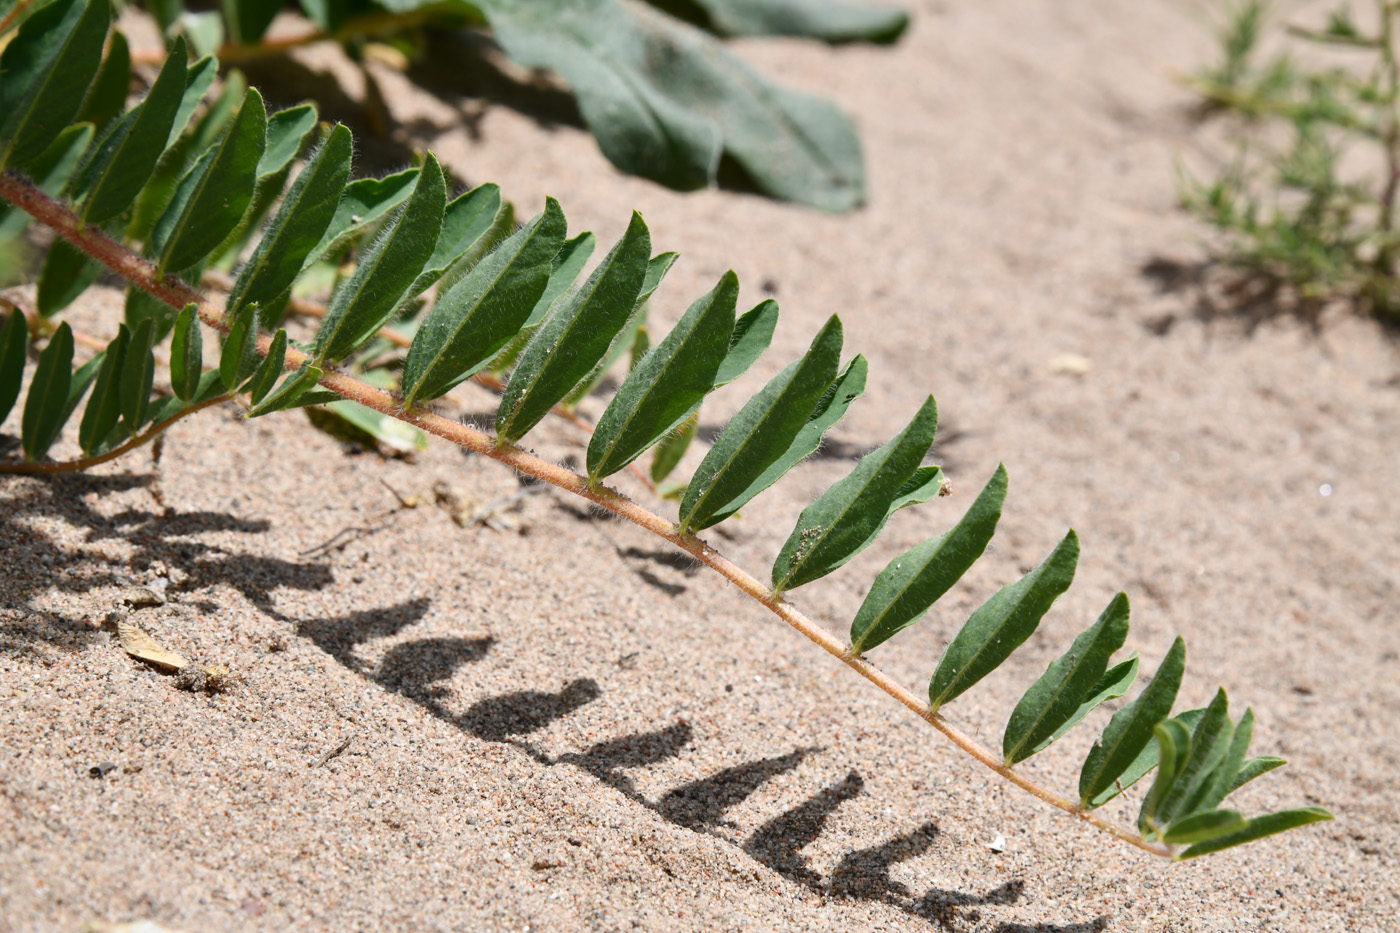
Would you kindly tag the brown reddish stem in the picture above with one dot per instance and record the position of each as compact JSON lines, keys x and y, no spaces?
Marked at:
{"x":171,"y":290}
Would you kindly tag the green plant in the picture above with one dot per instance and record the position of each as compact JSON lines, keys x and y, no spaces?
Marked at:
{"x":485,"y":302}
{"x":664,"y":99}
{"x":1309,"y":199}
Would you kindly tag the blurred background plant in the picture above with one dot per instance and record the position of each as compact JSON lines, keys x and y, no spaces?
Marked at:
{"x":661,"y":94}
{"x":1307,"y":199}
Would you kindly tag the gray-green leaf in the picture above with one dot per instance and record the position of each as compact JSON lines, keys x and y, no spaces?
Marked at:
{"x":1199,"y":827}
{"x":1129,"y":733}
{"x":1002,"y":623}
{"x":575,"y":335}
{"x":848,"y":516}
{"x":14,"y":340}
{"x":761,"y":433}
{"x":363,"y":202}
{"x":104,"y":407}
{"x":48,"y":394}
{"x":268,"y":371}
{"x":186,"y":355}
{"x":753,"y":332}
{"x":238,"y":358}
{"x":483,"y":310}
{"x":305,"y":213}
{"x":1060,"y":692}
{"x":286,"y":394}
{"x":668,"y":382}
{"x":138,"y":373}
{"x":210,"y":200}
{"x":1258,"y":828}
{"x":467,"y":219}
{"x":916,"y":579}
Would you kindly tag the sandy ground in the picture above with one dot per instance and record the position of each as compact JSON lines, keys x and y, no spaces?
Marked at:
{"x":562,"y":727}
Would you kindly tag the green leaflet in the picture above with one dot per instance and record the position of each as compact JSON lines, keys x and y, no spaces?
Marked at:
{"x":1258,"y":828}
{"x":354,"y":423}
{"x":126,"y":155}
{"x":385,"y":270}
{"x":1059,"y":695}
{"x":106,"y":96}
{"x":305,"y":213}
{"x":465,"y":221}
{"x":104,"y":407}
{"x":239,"y":357}
{"x":78,"y":385}
{"x":916,"y":579}
{"x":1222,"y":780}
{"x":575,"y":335}
{"x":848,"y":516}
{"x":1129,"y":732}
{"x":14,"y":341}
{"x":753,"y":332}
{"x":271,"y":367}
{"x":138,"y":373}
{"x":668,"y":382}
{"x":248,"y":19}
{"x":47,"y":69}
{"x":361,"y":204}
{"x":1002,"y":623}
{"x":210,"y":200}
{"x":186,"y":355}
{"x":483,"y":310}
{"x":199,"y":78}
{"x":1199,"y":827}
{"x":286,"y":136}
{"x":286,"y":394}
{"x":1253,"y":768}
{"x":628,"y":338}
{"x":48,"y":395}
{"x":665,"y":101}
{"x":567,"y":265}
{"x":830,"y":20}
{"x":1173,"y":748}
{"x":673,"y":447}
{"x":761,"y":433}
{"x":67,"y":272}
{"x":1117,"y":681}
{"x":1210,"y":743}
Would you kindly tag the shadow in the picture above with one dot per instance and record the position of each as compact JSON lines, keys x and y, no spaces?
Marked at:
{"x":675,"y":563}
{"x":1097,"y":925}
{"x":779,"y":842}
{"x":48,"y":560}
{"x":501,"y":717}
{"x":417,"y":669}
{"x":702,"y":804}
{"x":1223,"y":292}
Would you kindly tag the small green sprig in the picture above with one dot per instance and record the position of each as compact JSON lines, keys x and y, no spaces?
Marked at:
{"x":505,"y":301}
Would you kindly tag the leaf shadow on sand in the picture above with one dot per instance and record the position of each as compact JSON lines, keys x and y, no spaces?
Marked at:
{"x":419,"y":669}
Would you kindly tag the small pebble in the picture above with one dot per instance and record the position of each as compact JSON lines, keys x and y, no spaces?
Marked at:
{"x":101,"y":769}
{"x":138,"y":597}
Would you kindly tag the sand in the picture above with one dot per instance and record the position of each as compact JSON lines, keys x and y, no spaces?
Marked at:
{"x":554,"y":724}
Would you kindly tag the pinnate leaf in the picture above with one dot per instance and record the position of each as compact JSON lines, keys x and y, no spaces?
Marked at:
{"x":477,"y":315}
{"x":668,"y":382}
{"x":575,"y":335}
{"x":1106,"y":771}
{"x":848,"y":516}
{"x":1002,"y":623}
{"x":1059,"y":694}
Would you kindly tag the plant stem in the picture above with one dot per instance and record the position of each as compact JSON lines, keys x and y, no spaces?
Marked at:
{"x":83,"y":463}
{"x":177,"y":294}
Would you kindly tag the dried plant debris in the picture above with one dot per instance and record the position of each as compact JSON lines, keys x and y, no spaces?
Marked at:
{"x":195,"y":678}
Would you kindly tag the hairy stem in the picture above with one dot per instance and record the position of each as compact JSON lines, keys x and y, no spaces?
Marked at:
{"x":171,"y":290}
